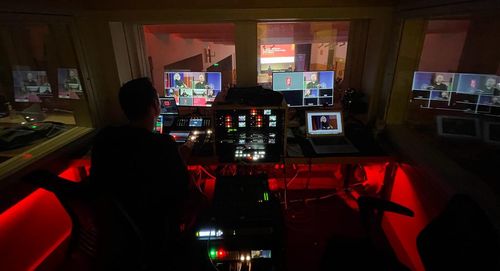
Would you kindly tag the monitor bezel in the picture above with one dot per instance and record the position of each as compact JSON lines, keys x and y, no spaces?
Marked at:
{"x":486,"y":132}
{"x":439,"y":123}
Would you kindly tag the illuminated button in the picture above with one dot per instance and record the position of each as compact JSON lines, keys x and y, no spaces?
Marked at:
{"x":242,"y":258}
{"x":248,"y":258}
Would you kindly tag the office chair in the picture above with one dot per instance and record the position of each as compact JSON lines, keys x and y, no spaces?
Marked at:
{"x":371,"y":251}
{"x":461,"y":238}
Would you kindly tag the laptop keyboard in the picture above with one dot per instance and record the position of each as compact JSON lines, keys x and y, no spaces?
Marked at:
{"x":318,"y":141}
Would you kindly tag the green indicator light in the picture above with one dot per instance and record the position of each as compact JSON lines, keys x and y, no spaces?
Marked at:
{"x":34,"y":126}
{"x":266,"y":196}
{"x":213,"y":253}
{"x":216,"y":65}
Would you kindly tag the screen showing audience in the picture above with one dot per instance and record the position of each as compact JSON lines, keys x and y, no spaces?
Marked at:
{"x":193,"y":88}
{"x":30,"y":86}
{"x":305,"y":88}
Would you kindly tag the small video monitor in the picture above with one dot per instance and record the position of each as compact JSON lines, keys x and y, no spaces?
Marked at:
{"x":168,"y":106}
{"x":179,"y":137}
{"x":484,"y":84}
{"x":324,"y":123}
{"x":69,"y":86}
{"x":458,"y":127}
{"x":30,"y":86}
{"x":195,"y":122}
{"x":301,"y":89}
{"x":491,"y":132}
{"x":192,"y":88}
{"x":437,"y":81}
{"x":159,"y":125}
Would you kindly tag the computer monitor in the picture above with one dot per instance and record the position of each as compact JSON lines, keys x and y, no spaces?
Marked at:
{"x":324,"y":123}
{"x":458,"y":127}
{"x":69,"y":86}
{"x":29,"y":86}
{"x":437,"y":81}
{"x":484,"y":84}
{"x":192,"y":88}
{"x":314,"y":88}
{"x":491,"y":132}
{"x":168,"y":106}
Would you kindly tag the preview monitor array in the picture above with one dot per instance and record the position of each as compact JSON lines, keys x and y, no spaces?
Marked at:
{"x":474,"y":93}
{"x":31,"y":86}
{"x":313,"y":88}
{"x":192,"y":88}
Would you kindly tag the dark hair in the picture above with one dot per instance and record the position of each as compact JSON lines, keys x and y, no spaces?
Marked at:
{"x":136,"y":98}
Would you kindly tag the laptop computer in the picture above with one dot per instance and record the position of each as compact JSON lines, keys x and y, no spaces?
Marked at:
{"x":169,"y":111}
{"x":325,"y":132}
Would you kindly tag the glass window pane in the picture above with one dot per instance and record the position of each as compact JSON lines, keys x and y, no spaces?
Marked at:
{"x":40,"y":85}
{"x":191,"y":62}
{"x":301,"y":46}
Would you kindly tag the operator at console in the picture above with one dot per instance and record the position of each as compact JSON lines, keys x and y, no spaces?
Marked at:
{"x":145,"y":182}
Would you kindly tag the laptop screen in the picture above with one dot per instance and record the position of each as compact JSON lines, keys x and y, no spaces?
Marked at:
{"x":321,"y":123}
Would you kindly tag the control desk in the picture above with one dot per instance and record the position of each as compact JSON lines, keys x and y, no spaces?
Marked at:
{"x":250,"y":134}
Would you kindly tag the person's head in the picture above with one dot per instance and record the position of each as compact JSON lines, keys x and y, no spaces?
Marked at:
{"x":490,"y":82}
{"x":473,"y":83}
{"x":322,"y":119}
{"x":439,"y":79}
{"x":139,"y":101}
{"x":29,"y":76}
{"x":495,"y":100}
{"x":201,"y":78}
{"x":71,"y":73}
{"x":177,"y":76}
{"x":314,"y":77}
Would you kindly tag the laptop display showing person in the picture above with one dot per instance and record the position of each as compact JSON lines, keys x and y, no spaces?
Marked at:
{"x":325,"y":132}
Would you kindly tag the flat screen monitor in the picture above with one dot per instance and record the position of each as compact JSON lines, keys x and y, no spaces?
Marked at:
{"x":168,"y":106}
{"x":458,"y":127}
{"x":192,"y":88}
{"x":484,"y":84}
{"x":30,"y":86}
{"x":314,"y":88}
{"x":69,"y":86}
{"x":437,"y":81}
{"x":491,"y":132}
{"x":324,"y":123}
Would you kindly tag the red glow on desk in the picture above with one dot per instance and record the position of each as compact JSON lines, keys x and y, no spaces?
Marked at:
{"x":31,"y":230}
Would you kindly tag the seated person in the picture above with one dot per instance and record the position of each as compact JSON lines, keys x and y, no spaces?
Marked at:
{"x":143,"y":182}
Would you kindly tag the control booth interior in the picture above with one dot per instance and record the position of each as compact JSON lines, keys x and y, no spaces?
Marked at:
{"x":318,"y":135}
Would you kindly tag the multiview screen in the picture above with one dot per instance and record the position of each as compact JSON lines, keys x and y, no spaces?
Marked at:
{"x":32,"y":86}
{"x":29,"y":86}
{"x":192,"y":88}
{"x":305,"y":88}
{"x":475,"y":93}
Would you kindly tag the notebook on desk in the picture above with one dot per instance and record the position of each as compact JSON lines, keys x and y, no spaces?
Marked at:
{"x":325,"y":132}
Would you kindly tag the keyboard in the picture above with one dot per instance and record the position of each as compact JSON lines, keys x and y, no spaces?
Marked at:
{"x":321,"y":141}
